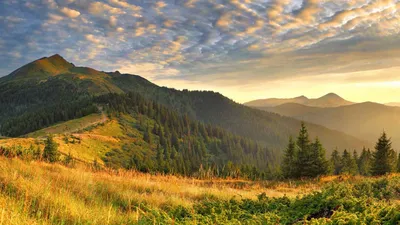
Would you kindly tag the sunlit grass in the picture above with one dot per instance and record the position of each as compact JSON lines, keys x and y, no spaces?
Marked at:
{"x":37,"y":192}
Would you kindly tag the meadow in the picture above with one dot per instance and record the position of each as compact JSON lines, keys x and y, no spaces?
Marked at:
{"x":35,"y":192}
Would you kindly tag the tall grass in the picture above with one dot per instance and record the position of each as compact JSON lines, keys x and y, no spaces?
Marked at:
{"x":37,"y":192}
{"x":34,"y":192}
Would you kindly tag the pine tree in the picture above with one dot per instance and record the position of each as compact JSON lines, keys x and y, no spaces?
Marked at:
{"x":50,"y":152}
{"x":336,"y":162}
{"x":349,"y":165}
{"x":147,"y":135}
{"x":364,"y":162}
{"x":320,"y":165}
{"x":304,"y":160}
{"x":383,"y":157}
{"x":289,"y":160}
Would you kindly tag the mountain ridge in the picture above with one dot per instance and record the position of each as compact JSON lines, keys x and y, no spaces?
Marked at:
{"x":366,"y":120}
{"x":328,"y":100}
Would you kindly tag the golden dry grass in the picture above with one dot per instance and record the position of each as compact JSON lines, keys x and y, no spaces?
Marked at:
{"x":41,"y":193}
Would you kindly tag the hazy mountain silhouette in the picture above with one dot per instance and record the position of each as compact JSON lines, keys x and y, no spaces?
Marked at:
{"x":328,"y":100}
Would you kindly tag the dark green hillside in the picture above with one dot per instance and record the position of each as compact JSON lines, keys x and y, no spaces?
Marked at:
{"x":47,"y":84}
{"x":173,"y":143}
{"x":210,"y":107}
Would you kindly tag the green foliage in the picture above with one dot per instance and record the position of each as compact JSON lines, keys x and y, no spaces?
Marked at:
{"x":303,"y":158}
{"x":366,"y":202}
{"x":68,"y":160}
{"x":50,"y":152}
{"x":349,"y":164}
{"x":364,"y":162}
{"x":172,"y":143}
{"x":384,"y":157}
{"x":289,"y":160}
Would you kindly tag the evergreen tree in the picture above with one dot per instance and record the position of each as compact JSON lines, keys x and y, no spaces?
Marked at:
{"x":364,"y":162}
{"x":304,"y":162}
{"x":349,"y":165}
{"x":50,"y":152}
{"x":147,"y":135}
{"x":383,"y":157}
{"x":336,"y":162}
{"x":289,"y":160}
{"x":320,"y":165}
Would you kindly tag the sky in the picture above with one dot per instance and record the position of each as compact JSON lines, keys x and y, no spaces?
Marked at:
{"x":245,"y":49}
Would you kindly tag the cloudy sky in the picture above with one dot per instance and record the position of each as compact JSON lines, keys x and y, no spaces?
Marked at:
{"x":245,"y":49}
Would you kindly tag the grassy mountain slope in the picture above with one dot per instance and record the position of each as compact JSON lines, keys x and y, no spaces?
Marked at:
{"x":28,"y":96}
{"x":328,"y":100}
{"x":363,"y":120}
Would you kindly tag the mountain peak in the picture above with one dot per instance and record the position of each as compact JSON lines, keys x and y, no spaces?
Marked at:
{"x":328,"y":100}
{"x":43,"y":67}
{"x":331,"y":95}
{"x":301,"y":97}
{"x":56,"y":57}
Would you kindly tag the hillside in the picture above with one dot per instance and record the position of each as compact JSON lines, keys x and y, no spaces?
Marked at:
{"x":30,"y":102}
{"x":363,"y":120}
{"x":328,"y":100}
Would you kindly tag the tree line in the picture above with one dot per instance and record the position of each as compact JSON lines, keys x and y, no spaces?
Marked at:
{"x":176,"y":144}
{"x":304,"y":158}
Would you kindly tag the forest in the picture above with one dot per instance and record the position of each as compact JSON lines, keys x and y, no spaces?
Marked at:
{"x":176,"y":144}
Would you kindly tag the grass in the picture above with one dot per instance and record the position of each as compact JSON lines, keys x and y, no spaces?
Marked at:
{"x":33,"y":192}
{"x":36,"y":192}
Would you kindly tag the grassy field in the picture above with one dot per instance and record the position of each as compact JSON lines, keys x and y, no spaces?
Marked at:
{"x":39,"y":193}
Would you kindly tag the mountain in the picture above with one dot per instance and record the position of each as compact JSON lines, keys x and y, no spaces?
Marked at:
{"x":397,"y":104}
{"x":363,"y":120}
{"x":328,"y":100}
{"x":51,"y":90}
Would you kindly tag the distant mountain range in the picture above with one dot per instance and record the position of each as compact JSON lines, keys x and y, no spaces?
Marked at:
{"x":328,"y":100}
{"x":397,"y":104}
{"x":363,"y":120}
{"x":53,"y":84}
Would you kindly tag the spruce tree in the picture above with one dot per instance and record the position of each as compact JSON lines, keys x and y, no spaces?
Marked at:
{"x":147,"y":135}
{"x":304,"y":162}
{"x":336,"y":162}
{"x":320,"y":165}
{"x":364,"y":162}
{"x":383,"y":157}
{"x":50,"y":152}
{"x":349,"y":165}
{"x":289,"y":160}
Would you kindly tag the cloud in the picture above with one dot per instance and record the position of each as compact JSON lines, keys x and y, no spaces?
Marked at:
{"x":125,"y":5}
{"x":54,"y":18}
{"x":92,"y":38}
{"x":71,"y":13}
{"x":147,"y":70}
{"x":230,"y":42}
{"x":100,"y":7}
{"x":113,"y":21}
